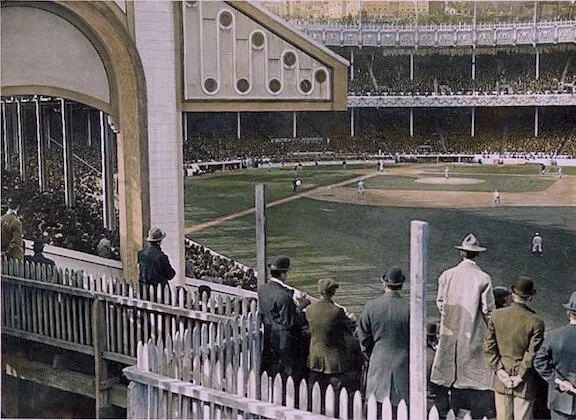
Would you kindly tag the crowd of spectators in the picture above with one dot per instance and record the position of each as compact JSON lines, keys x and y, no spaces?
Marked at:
{"x":503,"y":72}
{"x":203,"y":264}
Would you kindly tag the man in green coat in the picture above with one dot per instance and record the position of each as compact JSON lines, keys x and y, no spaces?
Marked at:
{"x":513,"y":336}
{"x":328,"y":358}
{"x":12,"y":242}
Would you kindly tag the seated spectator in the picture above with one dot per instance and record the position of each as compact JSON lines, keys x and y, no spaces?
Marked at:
{"x":104,"y":247}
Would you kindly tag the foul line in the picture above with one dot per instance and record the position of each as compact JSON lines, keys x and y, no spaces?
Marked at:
{"x":220,"y":220}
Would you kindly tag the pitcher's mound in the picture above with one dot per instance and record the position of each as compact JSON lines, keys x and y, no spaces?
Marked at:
{"x":449,"y":181}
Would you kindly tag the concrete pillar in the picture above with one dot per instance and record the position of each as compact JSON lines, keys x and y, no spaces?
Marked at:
{"x":155,"y":36}
{"x":537,"y":64}
{"x":89,"y":127}
{"x":473,"y":64}
{"x":411,"y":122}
{"x":351,"y":64}
{"x":294,"y":132}
{"x":411,"y":66}
{"x":473,"y":122}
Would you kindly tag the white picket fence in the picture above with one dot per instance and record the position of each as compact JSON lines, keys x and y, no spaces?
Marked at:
{"x":172,"y":379}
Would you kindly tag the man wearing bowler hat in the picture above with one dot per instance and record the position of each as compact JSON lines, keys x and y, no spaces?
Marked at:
{"x":284,"y":345}
{"x":513,"y":336}
{"x":465,"y":301}
{"x":556,"y":363}
{"x":155,"y":267}
{"x":384,"y":333}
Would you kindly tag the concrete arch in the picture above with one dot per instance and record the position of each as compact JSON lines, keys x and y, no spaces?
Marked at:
{"x":100,"y":23}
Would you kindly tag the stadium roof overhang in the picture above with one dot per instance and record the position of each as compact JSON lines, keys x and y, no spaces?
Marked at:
{"x":236,"y":56}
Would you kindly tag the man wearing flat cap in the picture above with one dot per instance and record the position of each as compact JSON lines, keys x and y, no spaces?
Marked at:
{"x":555,"y":361}
{"x":465,"y":301}
{"x":513,"y":336}
{"x":12,"y":244}
{"x":155,"y":267}
{"x":384,"y":333}
{"x":328,"y":358}
{"x":284,"y":345}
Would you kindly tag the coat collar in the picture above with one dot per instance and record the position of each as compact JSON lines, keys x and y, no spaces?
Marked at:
{"x":523,"y":306}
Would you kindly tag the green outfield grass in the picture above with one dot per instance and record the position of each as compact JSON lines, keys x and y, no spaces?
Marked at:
{"x":354,"y":244}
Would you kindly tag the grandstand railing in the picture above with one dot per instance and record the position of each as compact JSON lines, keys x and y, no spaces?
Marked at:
{"x":458,"y":35}
{"x":60,"y":307}
{"x":172,"y":380}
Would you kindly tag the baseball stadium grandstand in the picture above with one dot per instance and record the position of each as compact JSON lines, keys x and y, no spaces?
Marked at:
{"x":169,"y":114}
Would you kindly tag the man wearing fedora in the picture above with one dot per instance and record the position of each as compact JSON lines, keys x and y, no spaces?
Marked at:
{"x":155,"y":267}
{"x":384,"y":333}
{"x":328,"y":358}
{"x":12,"y":241}
{"x":556,"y":363}
{"x":513,"y":336}
{"x":465,"y":301}
{"x":284,"y":344}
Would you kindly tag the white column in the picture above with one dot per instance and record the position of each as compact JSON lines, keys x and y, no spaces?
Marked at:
{"x":418,"y":302}
{"x":89,"y":127}
{"x":41,"y":146}
{"x":473,"y":64}
{"x":185,"y":127}
{"x":107,"y":168}
{"x":20,"y":134}
{"x":535,"y":121}
{"x":411,"y":66}
{"x":238,"y":126}
{"x":473,"y":122}
{"x":5,"y":148}
{"x":67,"y":154}
{"x":294,"y":132}
{"x":537,"y":64}
{"x":411,"y":122}
{"x":155,"y":36}
{"x":351,"y":63}
{"x":352,"y":122}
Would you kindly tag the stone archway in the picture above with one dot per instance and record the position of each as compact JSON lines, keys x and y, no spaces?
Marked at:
{"x":108,"y":33}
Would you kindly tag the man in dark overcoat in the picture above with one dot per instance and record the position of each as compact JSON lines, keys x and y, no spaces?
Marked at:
{"x":155,"y":267}
{"x":384,"y":333}
{"x":328,"y":358}
{"x":512,"y":337}
{"x":284,"y":345}
{"x":556,"y":363}
{"x":38,"y":257}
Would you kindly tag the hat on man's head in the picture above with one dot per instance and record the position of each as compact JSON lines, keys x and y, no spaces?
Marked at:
{"x":470,"y":243}
{"x":13,"y":203}
{"x":327,"y":285}
{"x":523,"y":287}
{"x":571,"y":305}
{"x":280,"y":263}
{"x":394,"y":277}
{"x":38,"y":245}
{"x":155,"y":235}
{"x":501,"y":292}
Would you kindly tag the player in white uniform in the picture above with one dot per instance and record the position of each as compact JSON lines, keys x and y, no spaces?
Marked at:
{"x":447,"y":172}
{"x":360,"y":187}
{"x":537,"y":245}
{"x":495,"y":198}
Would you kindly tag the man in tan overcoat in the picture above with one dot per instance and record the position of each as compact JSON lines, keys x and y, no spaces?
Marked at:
{"x":465,"y":301}
{"x":513,"y":336}
{"x":12,"y":241}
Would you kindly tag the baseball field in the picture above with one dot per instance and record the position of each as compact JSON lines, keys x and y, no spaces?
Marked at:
{"x":329,"y":230}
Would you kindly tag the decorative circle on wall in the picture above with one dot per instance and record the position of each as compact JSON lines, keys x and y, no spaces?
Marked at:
{"x":210,"y":85}
{"x":258,"y":40}
{"x":289,"y":59}
{"x":225,"y":20}
{"x":305,"y":85}
{"x":320,"y":76}
{"x":242,"y":85}
{"x":274,"y":85}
